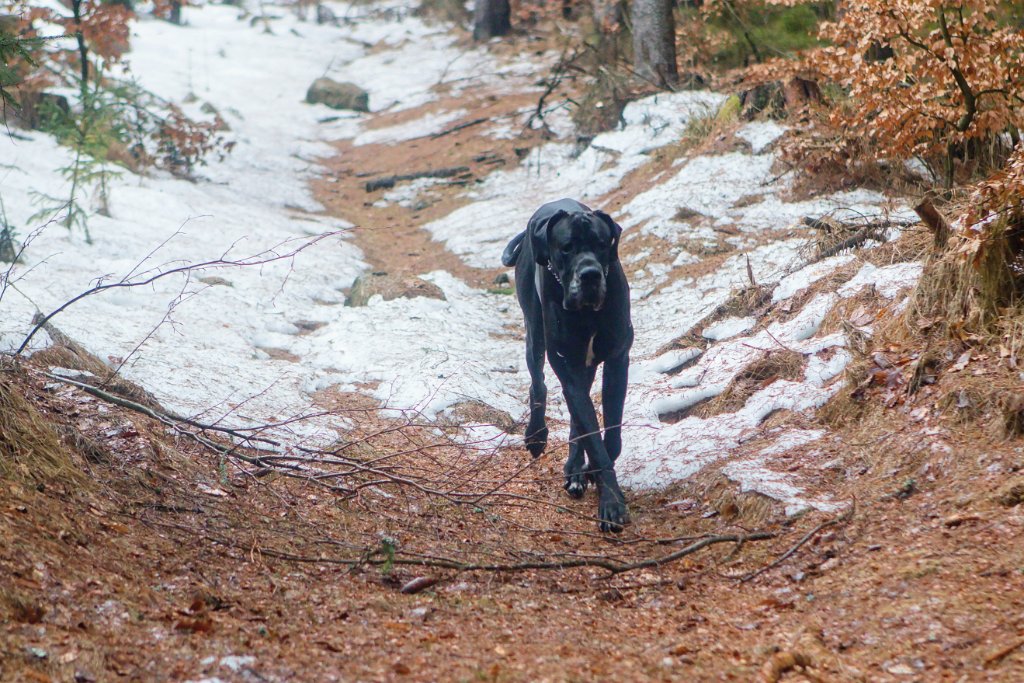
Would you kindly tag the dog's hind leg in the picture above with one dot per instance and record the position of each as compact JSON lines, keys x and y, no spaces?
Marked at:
{"x":536,"y":429}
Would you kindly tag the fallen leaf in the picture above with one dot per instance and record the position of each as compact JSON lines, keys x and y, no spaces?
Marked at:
{"x":880,"y":360}
{"x":198,"y":625}
{"x":957,"y":520}
{"x":962,"y":361}
{"x":418,"y":584}
{"x":900,"y":670}
{"x":212,"y":491}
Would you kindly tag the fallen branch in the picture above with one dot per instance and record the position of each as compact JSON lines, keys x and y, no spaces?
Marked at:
{"x":245,"y":434}
{"x":825,"y":223}
{"x":841,"y":519}
{"x":855,"y":241}
{"x":1003,"y":652}
{"x":388,"y":182}
{"x":461,"y":126}
{"x":134,"y":278}
{"x":371,"y":557}
{"x":297,"y":466}
{"x":859,"y":232}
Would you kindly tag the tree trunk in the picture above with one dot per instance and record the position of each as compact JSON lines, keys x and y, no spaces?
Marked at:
{"x":491,"y":18}
{"x":83,"y":49}
{"x":607,"y":14}
{"x":175,"y":17}
{"x":654,"y":42}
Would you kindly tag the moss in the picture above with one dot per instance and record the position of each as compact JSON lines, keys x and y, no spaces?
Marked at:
{"x":730,"y":110}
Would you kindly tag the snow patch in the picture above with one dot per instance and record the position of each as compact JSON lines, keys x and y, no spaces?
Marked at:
{"x":888,"y":281}
{"x":808,"y":275}
{"x":730,"y":327}
{"x":760,"y":134}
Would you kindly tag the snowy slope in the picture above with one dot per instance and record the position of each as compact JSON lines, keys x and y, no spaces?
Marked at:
{"x":265,"y":339}
{"x":216,"y":356}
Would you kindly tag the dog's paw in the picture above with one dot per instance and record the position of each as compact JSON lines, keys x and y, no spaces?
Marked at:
{"x":536,"y":441}
{"x":576,"y":485}
{"x":613,"y":515}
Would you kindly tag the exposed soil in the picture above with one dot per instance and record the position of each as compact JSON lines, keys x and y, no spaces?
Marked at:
{"x":391,"y":237}
{"x":162,"y":566}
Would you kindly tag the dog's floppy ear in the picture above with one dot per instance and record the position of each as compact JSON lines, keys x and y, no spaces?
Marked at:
{"x":539,"y":236}
{"x":616,"y":232}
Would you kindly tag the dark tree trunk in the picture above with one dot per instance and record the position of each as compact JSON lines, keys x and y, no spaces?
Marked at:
{"x":175,"y":17}
{"x":654,"y":42}
{"x":83,"y":50}
{"x":491,"y":18}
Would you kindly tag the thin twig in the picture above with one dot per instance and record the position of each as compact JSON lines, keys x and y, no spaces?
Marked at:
{"x":796,"y":546}
{"x":262,"y":258}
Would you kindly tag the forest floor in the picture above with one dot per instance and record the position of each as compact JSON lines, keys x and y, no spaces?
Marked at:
{"x":134,"y":554}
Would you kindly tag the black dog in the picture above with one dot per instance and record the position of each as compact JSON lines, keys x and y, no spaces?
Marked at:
{"x":575,"y":300}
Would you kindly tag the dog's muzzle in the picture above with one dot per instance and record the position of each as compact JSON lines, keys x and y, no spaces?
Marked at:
{"x":586,"y":289}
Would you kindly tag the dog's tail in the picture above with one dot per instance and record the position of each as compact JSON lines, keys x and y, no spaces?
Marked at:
{"x":511,"y":253}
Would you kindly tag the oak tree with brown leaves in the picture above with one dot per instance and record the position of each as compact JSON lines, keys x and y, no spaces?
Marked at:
{"x":936,"y":80}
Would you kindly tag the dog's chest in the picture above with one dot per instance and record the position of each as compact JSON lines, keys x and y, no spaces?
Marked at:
{"x":587,"y":347}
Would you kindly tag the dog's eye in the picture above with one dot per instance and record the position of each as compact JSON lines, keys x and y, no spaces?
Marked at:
{"x":566,"y":248}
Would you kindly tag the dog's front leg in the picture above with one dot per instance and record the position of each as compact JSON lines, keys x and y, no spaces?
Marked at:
{"x":613,"y":396}
{"x":611,"y":510}
{"x":536,"y":436}
{"x":576,"y":476}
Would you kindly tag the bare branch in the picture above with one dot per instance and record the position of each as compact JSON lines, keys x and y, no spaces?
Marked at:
{"x":134,"y":279}
{"x":841,"y":519}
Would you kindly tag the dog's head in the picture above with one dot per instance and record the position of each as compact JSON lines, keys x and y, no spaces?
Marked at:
{"x":578,"y":248}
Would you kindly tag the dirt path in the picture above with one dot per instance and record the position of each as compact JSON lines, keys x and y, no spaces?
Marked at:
{"x":391,"y":235}
{"x":155,"y":567}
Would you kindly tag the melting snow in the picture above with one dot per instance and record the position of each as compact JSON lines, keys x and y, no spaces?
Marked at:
{"x":730,"y":327}
{"x":225,"y":354}
{"x":760,"y":134}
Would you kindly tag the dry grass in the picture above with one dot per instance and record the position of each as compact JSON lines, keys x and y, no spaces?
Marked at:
{"x":955,"y":349}
{"x":750,"y":300}
{"x":66,"y":353}
{"x":716,"y":492}
{"x":30,"y":448}
{"x":973,"y":292}
{"x":914,"y":243}
{"x":772,"y":366}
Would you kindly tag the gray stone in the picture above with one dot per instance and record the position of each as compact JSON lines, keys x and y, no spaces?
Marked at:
{"x":338,"y":95}
{"x":390,"y":287}
{"x":477,"y":412}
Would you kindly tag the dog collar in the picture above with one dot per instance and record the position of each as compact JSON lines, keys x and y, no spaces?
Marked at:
{"x":554,"y":275}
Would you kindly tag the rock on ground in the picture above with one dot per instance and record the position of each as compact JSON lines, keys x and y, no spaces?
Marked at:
{"x":338,"y":95}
